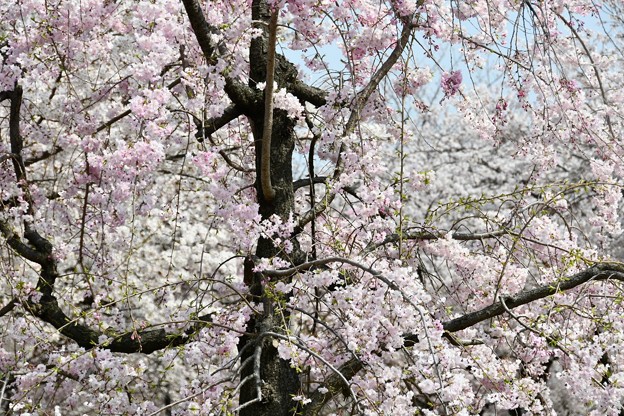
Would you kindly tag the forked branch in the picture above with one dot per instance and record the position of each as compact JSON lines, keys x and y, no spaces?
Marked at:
{"x":237,"y":92}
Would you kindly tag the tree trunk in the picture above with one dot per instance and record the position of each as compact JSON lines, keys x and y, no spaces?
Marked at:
{"x":280,"y":382}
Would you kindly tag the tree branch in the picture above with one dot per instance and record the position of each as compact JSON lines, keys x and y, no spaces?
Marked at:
{"x":363,"y":96}
{"x":239,"y":93}
{"x":300,"y":183}
{"x":335,"y":385}
{"x":8,"y":307}
{"x":43,"y":156}
{"x":431,"y":235}
{"x":112,"y":121}
{"x":202,"y":30}
{"x":265,"y":169}
{"x":145,"y":341}
{"x":210,"y":126}
{"x":21,"y":248}
{"x":305,"y":92}
{"x":598,"y":272}
{"x":39,"y":250}
{"x":360,"y":101}
{"x":48,"y":310}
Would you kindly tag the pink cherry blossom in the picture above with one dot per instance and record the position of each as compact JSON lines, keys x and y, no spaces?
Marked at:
{"x":451,"y":82}
{"x":369,"y":246}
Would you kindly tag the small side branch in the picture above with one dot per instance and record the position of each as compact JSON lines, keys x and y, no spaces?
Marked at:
{"x":43,"y":156}
{"x":300,"y":183}
{"x":8,"y":307}
{"x":210,"y":126}
{"x":112,"y":121}
{"x":363,"y":96}
{"x":312,"y":95}
{"x":598,"y":272}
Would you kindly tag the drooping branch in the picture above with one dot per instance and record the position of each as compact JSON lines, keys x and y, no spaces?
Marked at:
{"x":314,"y":264}
{"x":598,"y":272}
{"x":360,"y":101}
{"x":265,"y":169}
{"x":595,"y":69}
{"x":427,"y":235}
{"x":39,"y":250}
{"x":103,"y":126}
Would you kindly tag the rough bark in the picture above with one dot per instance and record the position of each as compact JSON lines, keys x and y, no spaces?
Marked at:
{"x":279,"y":382}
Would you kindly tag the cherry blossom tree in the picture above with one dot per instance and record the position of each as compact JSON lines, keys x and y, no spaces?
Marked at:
{"x":311,"y":207}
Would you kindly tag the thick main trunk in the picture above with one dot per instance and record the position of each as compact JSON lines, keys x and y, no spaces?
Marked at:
{"x":279,"y":382}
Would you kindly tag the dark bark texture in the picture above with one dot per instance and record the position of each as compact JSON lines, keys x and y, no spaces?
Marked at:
{"x":268,"y":382}
{"x":279,"y":381}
